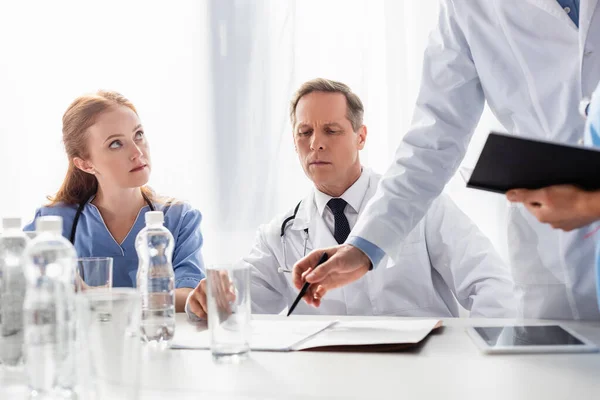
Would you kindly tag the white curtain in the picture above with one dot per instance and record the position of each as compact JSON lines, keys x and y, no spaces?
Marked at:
{"x":212,"y":82}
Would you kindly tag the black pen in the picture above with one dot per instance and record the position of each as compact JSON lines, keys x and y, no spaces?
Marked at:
{"x":305,"y":286}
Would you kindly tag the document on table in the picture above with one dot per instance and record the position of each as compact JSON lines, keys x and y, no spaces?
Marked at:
{"x":291,"y":335}
{"x":378,"y":335}
{"x":267,"y":335}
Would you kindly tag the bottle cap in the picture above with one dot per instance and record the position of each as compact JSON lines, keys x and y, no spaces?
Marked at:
{"x":11,"y":223}
{"x":155,"y":217}
{"x":50,"y":223}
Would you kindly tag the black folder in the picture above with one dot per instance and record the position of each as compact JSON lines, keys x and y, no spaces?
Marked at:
{"x":509,"y":162}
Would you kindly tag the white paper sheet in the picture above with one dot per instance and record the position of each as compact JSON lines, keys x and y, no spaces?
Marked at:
{"x":270,"y":335}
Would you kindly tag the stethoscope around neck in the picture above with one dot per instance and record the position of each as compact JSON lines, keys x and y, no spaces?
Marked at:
{"x":80,"y":211}
{"x":285,"y":269}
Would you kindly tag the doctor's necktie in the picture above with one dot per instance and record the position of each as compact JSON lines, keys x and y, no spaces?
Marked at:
{"x":341,"y":229}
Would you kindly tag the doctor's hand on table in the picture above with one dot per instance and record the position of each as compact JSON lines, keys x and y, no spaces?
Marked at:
{"x":565,"y":207}
{"x":197,"y":302}
{"x":346,"y":264}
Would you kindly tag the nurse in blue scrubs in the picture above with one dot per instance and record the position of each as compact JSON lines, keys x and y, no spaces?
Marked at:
{"x":103,"y":197}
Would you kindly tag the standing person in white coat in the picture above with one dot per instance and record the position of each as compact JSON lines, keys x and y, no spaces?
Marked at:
{"x":568,"y":207}
{"x":532,"y":61}
{"x":444,"y":261}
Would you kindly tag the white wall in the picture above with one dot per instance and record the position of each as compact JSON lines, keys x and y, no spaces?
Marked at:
{"x":54,"y":51}
{"x":162,"y":56}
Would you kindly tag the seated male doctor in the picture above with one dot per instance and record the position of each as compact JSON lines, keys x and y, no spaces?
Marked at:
{"x":444,"y":262}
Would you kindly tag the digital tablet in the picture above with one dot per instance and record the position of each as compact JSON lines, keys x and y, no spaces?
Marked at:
{"x":510,"y":162}
{"x":529,"y":339}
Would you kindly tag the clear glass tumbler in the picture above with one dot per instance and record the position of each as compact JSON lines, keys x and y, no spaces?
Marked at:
{"x":94,"y":273}
{"x":229,"y":311}
{"x":114,"y":344}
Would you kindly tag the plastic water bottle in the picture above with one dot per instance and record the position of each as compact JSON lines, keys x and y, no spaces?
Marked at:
{"x":155,"y":280}
{"x":49,"y":311}
{"x":12,"y":291}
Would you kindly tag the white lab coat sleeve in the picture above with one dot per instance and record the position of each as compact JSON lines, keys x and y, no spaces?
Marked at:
{"x":448,"y":108}
{"x":267,"y":284}
{"x":468,"y":262}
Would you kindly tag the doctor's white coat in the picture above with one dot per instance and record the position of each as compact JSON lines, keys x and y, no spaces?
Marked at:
{"x":532,"y":65}
{"x":444,"y":259}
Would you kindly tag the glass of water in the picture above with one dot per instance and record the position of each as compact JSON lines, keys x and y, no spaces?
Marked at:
{"x":113,"y":345}
{"x":94,"y":273}
{"x":229,"y":310}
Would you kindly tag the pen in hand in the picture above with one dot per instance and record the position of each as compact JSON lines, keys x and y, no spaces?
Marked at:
{"x":305,"y":286}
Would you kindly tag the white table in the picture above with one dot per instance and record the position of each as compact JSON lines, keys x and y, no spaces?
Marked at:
{"x":448,"y":366}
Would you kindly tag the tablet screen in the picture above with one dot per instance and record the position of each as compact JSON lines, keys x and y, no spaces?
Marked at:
{"x":527,"y":336}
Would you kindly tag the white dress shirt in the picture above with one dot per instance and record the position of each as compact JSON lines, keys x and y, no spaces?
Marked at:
{"x":354,"y":196}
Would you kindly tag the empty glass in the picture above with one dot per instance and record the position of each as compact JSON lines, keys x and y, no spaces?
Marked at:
{"x":94,"y":272}
{"x":114,"y":345}
{"x":228,"y":298}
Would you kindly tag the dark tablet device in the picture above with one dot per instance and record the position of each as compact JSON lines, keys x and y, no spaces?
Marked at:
{"x":509,"y":162}
{"x":529,"y":339}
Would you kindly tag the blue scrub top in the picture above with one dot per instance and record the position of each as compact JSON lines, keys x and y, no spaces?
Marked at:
{"x":592,"y":137}
{"x":92,"y":239}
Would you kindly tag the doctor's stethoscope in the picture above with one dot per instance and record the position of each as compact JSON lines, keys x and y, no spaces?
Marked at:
{"x":80,"y":210}
{"x":284,"y":225}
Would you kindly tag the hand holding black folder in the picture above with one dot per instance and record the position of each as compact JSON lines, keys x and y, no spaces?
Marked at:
{"x":510,"y":162}
{"x":557,"y":183}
